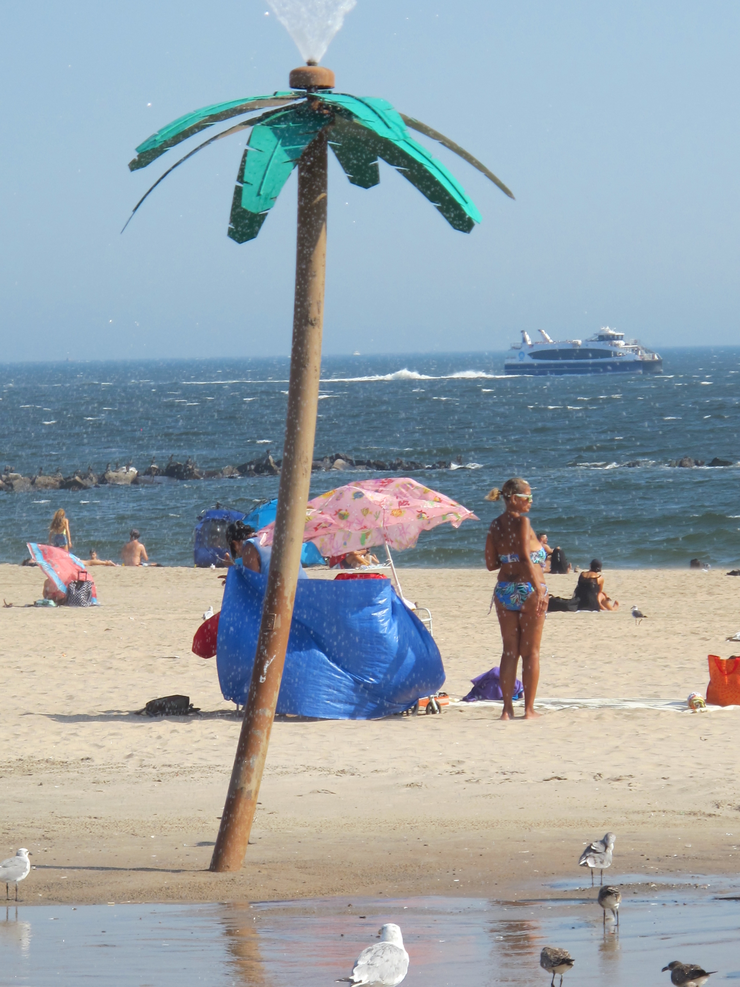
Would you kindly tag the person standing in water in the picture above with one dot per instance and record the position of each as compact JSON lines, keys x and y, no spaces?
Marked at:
{"x":520,"y":594}
{"x":59,"y":534}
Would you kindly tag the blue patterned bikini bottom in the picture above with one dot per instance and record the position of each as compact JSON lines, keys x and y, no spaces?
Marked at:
{"x":513,"y":596}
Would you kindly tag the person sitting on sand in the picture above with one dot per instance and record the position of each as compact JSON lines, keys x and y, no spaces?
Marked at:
{"x":358,"y":559}
{"x":133,"y":552}
{"x":59,"y":534}
{"x":590,"y":592}
{"x":520,"y":594}
{"x":94,"y":560}
{"x":241,"y":550}
{"x":52,"y":592}
{"x":245,"y":550}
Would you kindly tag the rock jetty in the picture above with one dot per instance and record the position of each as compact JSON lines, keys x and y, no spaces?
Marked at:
{"x":265,"y":465}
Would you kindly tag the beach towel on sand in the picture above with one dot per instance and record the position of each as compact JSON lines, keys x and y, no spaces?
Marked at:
{"x":487,"y":686}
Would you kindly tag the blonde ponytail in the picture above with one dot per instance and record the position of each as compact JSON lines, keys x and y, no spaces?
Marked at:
{"x":516,"y":485}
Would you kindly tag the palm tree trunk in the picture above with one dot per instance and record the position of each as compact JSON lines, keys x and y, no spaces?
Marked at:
{"x":295,"y":478}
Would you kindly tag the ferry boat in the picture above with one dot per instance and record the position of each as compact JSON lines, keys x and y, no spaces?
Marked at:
{"x":606,"y":352}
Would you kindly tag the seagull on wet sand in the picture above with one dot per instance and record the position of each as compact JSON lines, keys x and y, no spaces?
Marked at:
{"x":638,"y":615}
{"x":556,"y":960}
{"x":609,"y":899}
{"x":384,"y":964}
{"x":687,"y":974}
{"x":15,"y":869}
{"x":598,"y":854}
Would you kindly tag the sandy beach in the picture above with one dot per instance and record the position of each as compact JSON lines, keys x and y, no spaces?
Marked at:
{"x":120,"y":807}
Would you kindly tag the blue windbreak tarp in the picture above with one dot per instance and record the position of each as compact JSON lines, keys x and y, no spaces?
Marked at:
{"x":355,"y":651}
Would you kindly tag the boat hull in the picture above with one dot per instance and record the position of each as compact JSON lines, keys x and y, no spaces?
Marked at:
{"x":581,"y":367}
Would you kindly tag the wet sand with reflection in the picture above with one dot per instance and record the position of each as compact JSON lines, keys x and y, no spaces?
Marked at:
{"x":314,"y":942}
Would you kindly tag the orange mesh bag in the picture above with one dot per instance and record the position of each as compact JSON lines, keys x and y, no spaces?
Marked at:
{"x":724,"y":681}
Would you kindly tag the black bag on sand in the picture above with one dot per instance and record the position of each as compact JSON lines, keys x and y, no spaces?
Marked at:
{"x":79,"y":592}
{"x":559,"y":604}
{"x":169,"y":706}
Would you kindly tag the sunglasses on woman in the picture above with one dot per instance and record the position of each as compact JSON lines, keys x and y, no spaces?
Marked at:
{"x":524,"y":497}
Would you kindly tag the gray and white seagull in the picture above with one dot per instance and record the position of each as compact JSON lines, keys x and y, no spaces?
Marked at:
{"x":15,"y":869}
{"x":687,"y":974}
{"x":598,"y":855}
{"x":638,"y":615}
{"x":384,"y":964}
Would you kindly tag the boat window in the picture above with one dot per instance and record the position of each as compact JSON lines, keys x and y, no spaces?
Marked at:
{"x":580,"y":353}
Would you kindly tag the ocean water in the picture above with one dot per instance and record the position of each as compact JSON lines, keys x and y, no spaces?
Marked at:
{"x":450,"y":941}
{"x":595,"y":449}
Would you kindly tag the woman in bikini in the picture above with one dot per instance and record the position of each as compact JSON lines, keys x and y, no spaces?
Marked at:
{"x":520,"y":594}
{"x":59,"y":534}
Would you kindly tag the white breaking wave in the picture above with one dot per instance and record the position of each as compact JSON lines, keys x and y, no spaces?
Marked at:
{"x":404,"y":374}
{"x":466,"y":466}
{"x":414,"y":375}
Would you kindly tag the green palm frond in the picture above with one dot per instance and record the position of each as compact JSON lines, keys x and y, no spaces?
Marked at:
{"x":272,"y":154}
{"x":192,"y":123}
{"x":361,"y":132}
{"x":380,"y":127}
{"x":244,"y":125}
{"x":452,"y":146}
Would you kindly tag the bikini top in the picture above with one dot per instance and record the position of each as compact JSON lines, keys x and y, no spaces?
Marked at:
{"x":538,"y":558}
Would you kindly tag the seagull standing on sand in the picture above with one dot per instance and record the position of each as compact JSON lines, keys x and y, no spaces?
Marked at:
{"x":384,"y":964}
{"x":15,"y":869}
{"x":556,"y":960}
{"x":208,"y":614}
{"x":610,"y":899}
{"x":687,"y":974}
{"x":638,"y":615}
{"x":598,"y":854}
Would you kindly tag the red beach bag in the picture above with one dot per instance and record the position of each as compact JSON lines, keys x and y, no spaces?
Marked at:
{"x":724,"y":681}
{"x":206,"y":637}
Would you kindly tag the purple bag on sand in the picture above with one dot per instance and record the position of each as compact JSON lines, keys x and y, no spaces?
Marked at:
{"x":486,"y":686}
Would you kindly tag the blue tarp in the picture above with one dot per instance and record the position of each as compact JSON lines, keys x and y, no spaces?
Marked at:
{"x":355,"y":651}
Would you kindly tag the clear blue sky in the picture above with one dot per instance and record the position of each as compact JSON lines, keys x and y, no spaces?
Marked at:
{"x":616,"y":126}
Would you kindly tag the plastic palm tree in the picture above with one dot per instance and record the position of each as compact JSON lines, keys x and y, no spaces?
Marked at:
{"x":295,"y":129}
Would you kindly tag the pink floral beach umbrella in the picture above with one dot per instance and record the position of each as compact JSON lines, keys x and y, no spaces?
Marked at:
{"x":391,"y":512}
